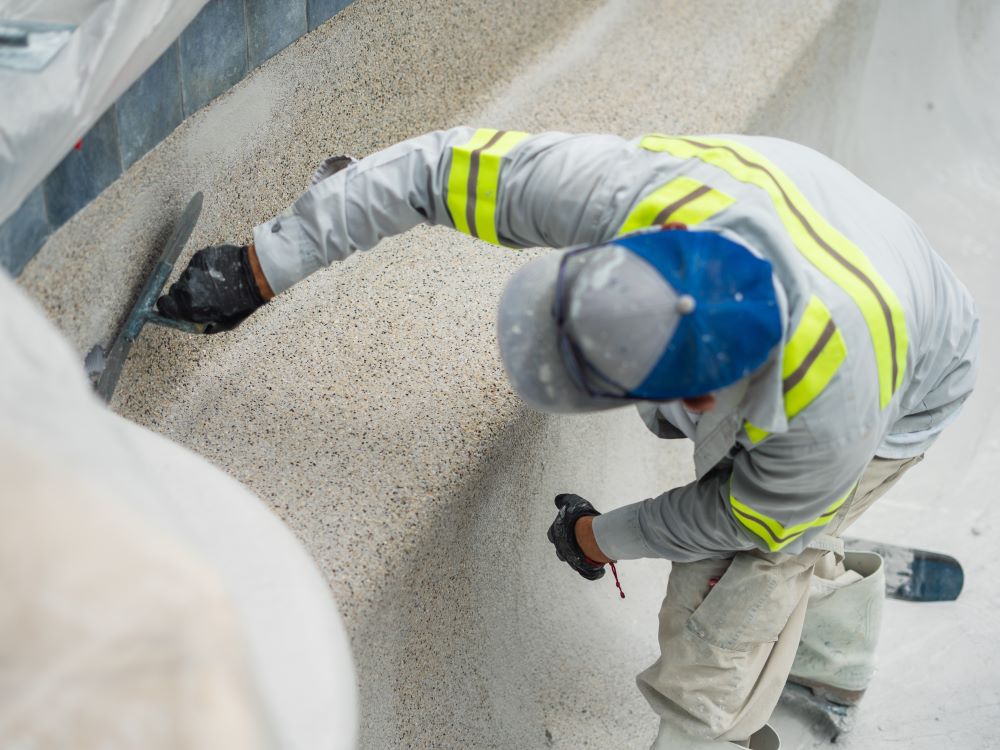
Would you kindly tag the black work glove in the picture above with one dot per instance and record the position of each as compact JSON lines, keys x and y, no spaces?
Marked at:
{"x":563,"y":536}
{"x":217,"y":287}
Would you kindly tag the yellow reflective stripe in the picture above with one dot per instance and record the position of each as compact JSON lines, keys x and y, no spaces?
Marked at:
{"x":755,"y":433}
{"x":655,"y":142}
{"x":812,"y":357}
{"x":488,"y":183}
{"x":832,"y":253}
{"x":458,"y":178}
{"x":814,"y":319}
{"x":683,"y":199}
{"x":474,"y":179}
{"x":774,"y":535}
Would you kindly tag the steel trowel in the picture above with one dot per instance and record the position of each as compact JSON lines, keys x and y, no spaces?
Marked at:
{"x":105,"y":367}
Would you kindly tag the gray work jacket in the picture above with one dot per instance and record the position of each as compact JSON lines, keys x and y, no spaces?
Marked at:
{"x":880,"y":337}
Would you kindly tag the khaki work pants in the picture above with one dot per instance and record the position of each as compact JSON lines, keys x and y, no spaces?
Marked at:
{"x":726,"y":650}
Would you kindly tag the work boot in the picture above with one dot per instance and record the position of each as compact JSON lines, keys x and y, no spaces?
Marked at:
{"x":835,"y":659}
{"x":764,"y":738}
{"x":671,"y":738}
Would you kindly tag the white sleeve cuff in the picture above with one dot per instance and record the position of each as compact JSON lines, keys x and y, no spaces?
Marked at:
{"x":619,"y":536}
{"x":285,"y":253}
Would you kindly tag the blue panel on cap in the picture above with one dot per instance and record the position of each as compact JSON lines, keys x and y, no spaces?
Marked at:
{"x":736,"y":321}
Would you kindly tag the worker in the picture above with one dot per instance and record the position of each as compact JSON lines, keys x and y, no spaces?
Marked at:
{"x":745,"y":292}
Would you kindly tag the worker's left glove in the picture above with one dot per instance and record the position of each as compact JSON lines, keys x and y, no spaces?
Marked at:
{"x":562,"y":534}
{"x":216,"y":288}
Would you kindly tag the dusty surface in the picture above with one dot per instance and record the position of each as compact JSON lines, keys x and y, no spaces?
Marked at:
{"x":367,"y":405}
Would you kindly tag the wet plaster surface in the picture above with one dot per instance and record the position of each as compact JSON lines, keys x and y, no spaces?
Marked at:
{"x":367,"y":405}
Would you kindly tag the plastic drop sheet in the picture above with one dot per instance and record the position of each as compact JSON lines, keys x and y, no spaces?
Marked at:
{"x":118,"y":523}
{"x":44,"y":113}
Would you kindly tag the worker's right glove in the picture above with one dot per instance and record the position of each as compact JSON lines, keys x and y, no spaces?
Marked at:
{"x":562,"y":534}
{"x":217,"y":288}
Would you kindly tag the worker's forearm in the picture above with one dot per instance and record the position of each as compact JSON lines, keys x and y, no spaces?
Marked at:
{"x":258,"y":274}
{"x":354,"y":209}
{"x":686,"y":524}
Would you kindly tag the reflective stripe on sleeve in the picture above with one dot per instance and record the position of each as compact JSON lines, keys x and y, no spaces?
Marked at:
{"x":474,"y":179}
{"x":773,"y":534}
{"x":811,"y":358}
{"x":834,"y":255}
{"x":683,"y":200}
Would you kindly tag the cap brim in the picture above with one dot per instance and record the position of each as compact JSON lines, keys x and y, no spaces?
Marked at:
{"x":529,"y":343}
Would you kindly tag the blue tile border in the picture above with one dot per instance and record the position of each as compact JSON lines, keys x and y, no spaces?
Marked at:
{"x":213,"y":52}
{"x":151,"y":108}
{"x":271,"y":26}
{"x":221,"y":45}
{"x":85,"y":171}
{"x":24,"y":233}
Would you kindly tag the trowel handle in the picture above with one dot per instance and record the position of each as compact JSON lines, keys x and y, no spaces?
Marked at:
{"x":180,"y":325}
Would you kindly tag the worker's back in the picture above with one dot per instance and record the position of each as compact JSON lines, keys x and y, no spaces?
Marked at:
{"x":941,"y":328}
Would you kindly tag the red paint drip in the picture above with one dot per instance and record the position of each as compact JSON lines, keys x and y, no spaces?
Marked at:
{"x":614,"y":571}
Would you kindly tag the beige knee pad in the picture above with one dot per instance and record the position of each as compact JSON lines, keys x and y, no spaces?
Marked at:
{"x":837,"y":648}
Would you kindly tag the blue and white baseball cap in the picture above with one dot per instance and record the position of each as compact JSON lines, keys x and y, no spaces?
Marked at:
{"x":656,"y":315}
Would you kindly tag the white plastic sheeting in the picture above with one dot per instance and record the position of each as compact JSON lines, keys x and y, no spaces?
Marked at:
{"x":139,"y":567}
{"x":43,"y":114}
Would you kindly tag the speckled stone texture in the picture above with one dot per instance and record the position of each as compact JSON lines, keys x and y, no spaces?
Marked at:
{"x":367,"y":405}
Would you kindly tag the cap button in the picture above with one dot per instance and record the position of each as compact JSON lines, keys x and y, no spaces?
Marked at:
{"x":685,"y":304}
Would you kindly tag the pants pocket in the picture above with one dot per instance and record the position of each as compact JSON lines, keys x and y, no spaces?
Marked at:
{"x":752,"y":601}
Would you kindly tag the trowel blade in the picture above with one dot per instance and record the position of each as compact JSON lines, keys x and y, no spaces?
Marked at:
{"x":143,"y":307}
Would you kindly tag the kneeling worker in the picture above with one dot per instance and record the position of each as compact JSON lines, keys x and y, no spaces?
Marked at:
{"x":793,"y":323}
